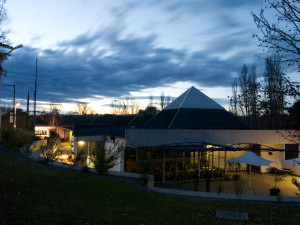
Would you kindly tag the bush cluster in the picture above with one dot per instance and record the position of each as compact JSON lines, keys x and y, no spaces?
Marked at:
{"x":15,"y":138}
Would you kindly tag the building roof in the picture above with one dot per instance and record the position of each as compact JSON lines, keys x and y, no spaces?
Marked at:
{"x":194,"y":110}
{"x":98,"y":130}
{"x":104,"y":119}
{"x":113,"y":125}
{"x":140,"y":120}
{"x":65,"y":120}
{"x":122,"y":120}
{"x":195,"y":99}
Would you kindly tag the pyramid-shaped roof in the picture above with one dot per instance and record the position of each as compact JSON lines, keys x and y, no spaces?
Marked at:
{"x":193,"y":99}
{"x":194,"y":110}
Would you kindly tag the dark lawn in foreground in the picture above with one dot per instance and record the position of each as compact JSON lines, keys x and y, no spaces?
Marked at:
{"x":34,"y":195}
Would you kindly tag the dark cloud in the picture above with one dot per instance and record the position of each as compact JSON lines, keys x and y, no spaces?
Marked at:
{"x":202,"y":6}
{"x":78,"y":69}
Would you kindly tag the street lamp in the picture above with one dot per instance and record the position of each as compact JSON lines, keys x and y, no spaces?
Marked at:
{"x":14,"y":99}
{"x":15,"y":110}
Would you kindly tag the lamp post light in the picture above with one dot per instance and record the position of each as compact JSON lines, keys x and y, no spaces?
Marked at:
{"x":15,"y":117}
{"x":14,"y":99}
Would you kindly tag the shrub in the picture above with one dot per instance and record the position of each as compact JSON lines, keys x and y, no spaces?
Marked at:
{"x":51,"y":151}
{"x":274,"y":191}
{"x":53,"y":134}
{"x":297,"y":184}
{"x":239,"y":187}
{"x":15,"y":138}
{"x":105,"y":158}
{"x":279,"y":176}
{"x":220,"y":188}
{"x":84,"y":169}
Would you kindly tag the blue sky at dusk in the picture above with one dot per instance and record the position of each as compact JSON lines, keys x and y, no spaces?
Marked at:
{"x":98,"y":51}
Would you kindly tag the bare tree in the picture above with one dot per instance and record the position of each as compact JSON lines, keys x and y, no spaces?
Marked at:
{"x":118,"y":107}
{"x":280,"y":32}
{"x":2,"y":17}
{"x":127,"y":105}
{"x":114,"y":107}
{"x":83,"y":108}
{"x":274,"y":91}
{"x":150,"y":100}
{"x":55,"y":107}
{"x":164,"y":100}
{"x":134,"y":106}
{"x":234,"y":100}
{"x":4,"y":54}
{"x":253,"y":89}
{"x":245,"y":96}
{"x":244,"y":92}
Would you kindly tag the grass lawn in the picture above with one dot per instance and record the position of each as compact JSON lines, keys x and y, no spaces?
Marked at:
{"x":33,"y":195}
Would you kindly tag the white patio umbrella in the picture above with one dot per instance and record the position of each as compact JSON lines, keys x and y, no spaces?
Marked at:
{"x":251,"y":159}
{"x":295,"y":161}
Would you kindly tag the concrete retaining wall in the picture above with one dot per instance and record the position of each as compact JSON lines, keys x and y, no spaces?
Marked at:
{"x":264,"y":198}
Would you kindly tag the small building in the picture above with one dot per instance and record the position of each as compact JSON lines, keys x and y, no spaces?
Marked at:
{"x":111,"y":126}
{"x":43,"y":130}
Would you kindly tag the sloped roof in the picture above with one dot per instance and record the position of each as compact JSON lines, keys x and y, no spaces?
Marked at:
{"x":75,"y":119}
{"x":195,"y":99}
{"x":121,"y":120}
{"x":194,"y":110}
{"x":103,"y":119}
{"x":140,"y":120}
{"x":114,"y":125}
{"x":95,"y":130}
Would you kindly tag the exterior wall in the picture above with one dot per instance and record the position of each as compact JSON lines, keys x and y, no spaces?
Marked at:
{"x":275,"y":139}
{"x":274,"y":156}
{"x":218,"y":159}
{"x":114,"y":144}
{"x":294,"y":168}
{"x":71,"y":138}
{"x":157,"y":137}
{"x":118,"y":142}
{"x":64,"y":133}
{"x":43,"y":131}
{"x":75,"y":141}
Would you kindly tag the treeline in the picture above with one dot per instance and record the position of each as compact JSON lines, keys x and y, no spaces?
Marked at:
{"x":264,"y":102}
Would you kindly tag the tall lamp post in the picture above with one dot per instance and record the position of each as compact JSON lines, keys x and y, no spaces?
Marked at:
{"x":15,"y":116}
{"x":14,"y":99}
{"x":15,"y":111}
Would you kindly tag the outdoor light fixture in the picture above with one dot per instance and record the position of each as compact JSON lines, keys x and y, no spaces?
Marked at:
{"x":81,"y":142}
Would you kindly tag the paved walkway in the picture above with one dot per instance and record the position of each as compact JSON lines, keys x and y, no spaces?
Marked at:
{"x":261,"y":183}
